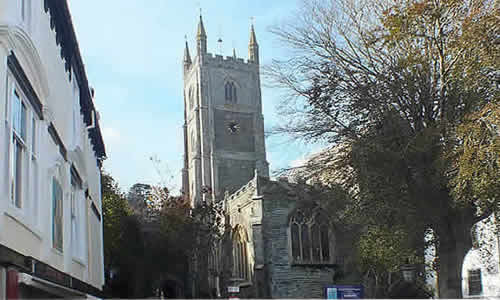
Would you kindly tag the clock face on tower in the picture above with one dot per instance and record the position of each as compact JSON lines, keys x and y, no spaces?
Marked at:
{"x":233,"y":131}
{"x":233,"y":127}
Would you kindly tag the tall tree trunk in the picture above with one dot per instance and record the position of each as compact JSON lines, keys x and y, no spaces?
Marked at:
{"x":454,"y":243}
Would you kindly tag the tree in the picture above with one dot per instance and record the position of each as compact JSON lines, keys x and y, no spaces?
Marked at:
{"x":122,"y":240}
{"x":381,"y":251}
{"x":394,"y":87}
{"x":138,"y":195}
{"x":114,"y":210}
{"x":475,"y":158}
{"x":193,"y":233}
{"x":177,"y":239}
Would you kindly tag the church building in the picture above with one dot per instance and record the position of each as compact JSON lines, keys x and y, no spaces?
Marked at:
{"x":278,"y":241}
{"x":224,"y":126}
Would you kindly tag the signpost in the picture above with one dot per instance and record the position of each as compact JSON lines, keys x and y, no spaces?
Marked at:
{"x":344,"y":292}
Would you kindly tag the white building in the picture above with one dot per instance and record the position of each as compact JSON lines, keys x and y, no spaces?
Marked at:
{"x":51,"y":150}
{"x":481,"y":268}
{"x":481,"y":265}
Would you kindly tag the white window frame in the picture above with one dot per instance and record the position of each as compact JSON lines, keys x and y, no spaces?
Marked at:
{"x":78,"y":224}
{"x":27,"y":185}
{"x":54,"y":199}
{"x":74,"y":221}
{"x":25,"y":12}
{"x":17,"y":139}
{"x":23,"y":4}
{"x":34,"y":168}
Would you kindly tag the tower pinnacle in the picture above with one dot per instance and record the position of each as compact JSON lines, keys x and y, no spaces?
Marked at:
{"x":253,"y":39}
{"x":187,"y":57}
{"x":253,"y":47}
{"x":201,"y":38}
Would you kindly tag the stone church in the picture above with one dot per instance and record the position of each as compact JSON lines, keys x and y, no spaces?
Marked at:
{"x":278,"y":243}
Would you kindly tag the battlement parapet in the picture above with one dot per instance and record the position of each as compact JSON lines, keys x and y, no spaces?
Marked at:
{"x":228,"y":61}
{"x":247,"y":186}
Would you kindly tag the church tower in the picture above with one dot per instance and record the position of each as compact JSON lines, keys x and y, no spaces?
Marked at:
{"x":223,"y":121}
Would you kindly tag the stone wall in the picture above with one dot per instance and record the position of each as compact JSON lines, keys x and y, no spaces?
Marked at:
{"x":263,"y":208}
{"x":240,"y":209}
{"x":239,"y":140}
{"x":234,"y":173}
{"x":286,"y":280}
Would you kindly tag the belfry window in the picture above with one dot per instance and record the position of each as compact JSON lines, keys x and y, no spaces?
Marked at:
{"x":230,"y":92}
{"x":310,"y":238}
{"x":240,"y":254}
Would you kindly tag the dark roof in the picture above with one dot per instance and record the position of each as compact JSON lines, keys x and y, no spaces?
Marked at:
{"x":60,"y":21}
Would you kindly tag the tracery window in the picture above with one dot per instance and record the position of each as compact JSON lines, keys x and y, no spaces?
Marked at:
{"x":240,"y":254}
{"x":230,"y":92}
{"x":310,"y":238}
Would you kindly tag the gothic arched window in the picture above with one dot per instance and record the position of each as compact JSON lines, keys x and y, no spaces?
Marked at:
{"x":230,"y":92}
{"x":240,"y":254}
{"x":310,"y":238}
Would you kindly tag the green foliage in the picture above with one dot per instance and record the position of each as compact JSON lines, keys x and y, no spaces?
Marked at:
{"x":123,"y":240}
{"x":114,"y":211}
{"x":383,"y":249}
{"x":407,"y":94}
{"x":476,"y":158}
{"x":155,"y":242}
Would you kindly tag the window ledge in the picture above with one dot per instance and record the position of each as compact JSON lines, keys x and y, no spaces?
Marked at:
{"x":79,"y":261}
{"x":313,"y":264}
{"x":241,"y":282}
{"x":57,"y":251}
{"x":21,"y":220}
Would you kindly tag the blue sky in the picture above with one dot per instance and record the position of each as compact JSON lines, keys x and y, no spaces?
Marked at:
{"x":133,"y":50}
